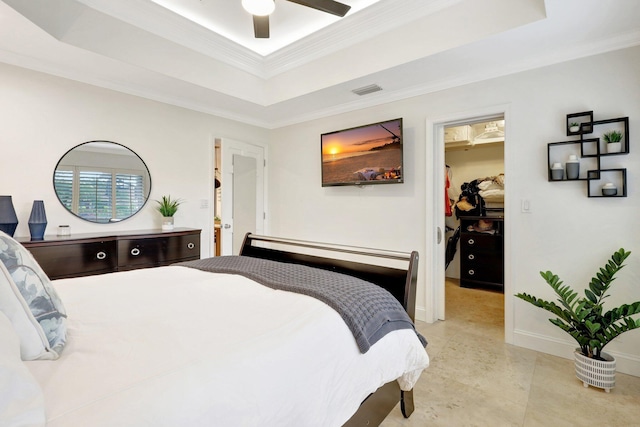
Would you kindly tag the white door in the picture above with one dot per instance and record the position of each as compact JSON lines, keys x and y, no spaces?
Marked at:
{"x":435,"y":222}
{"x":242,"y":190}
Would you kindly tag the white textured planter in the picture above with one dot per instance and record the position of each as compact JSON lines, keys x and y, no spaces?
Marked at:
{"x":598,"y":373}
{"x":167,"y":223}
{"x":614,"y":147}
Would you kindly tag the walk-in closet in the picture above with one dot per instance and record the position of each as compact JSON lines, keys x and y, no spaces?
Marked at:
{"x":474,"y":213}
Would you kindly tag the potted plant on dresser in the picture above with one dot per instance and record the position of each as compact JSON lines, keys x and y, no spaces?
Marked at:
{"x":585,"y":320}
{"x":167,"y":209}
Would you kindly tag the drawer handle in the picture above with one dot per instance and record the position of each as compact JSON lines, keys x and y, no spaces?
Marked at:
{"x":101,"y":255}
{"x":471,"y":241}
{"x":135,"y":251}
{"x":471,"y":272}
{"x":471,"y":256}
{"x":191,"y":245}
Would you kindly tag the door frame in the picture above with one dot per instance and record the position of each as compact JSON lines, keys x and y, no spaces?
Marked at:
{"x":435,"y":170}
{"x":212,"y":191}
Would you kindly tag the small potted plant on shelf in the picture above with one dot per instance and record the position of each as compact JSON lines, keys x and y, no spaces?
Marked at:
{"x":614,"y":141}
{"x":584,"y":319}
{"x":574,"y":127}
{"x":167,"y":209}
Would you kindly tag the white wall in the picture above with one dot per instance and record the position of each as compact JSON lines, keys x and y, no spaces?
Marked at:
{"x":44,"y":116}
{"x":566,"y":232}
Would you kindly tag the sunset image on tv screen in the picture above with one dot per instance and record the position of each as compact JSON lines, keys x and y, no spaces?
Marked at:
{"x":363,"y":155}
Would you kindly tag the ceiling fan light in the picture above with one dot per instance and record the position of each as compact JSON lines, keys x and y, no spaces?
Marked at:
{"x":259,"y":7}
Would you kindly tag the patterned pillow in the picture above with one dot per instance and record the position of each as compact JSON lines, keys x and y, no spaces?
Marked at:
{"x":34,"y":292}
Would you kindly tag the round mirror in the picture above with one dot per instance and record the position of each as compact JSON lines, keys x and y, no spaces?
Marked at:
{"x":102,"y":181}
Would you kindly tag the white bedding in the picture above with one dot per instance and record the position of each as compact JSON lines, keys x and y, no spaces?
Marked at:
{"x":174,"y":346}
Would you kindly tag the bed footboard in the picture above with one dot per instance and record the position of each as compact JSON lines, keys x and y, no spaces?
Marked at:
{"x":401,"y":283}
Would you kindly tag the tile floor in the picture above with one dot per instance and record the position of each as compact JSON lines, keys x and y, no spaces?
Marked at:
{"x":475,"y":379}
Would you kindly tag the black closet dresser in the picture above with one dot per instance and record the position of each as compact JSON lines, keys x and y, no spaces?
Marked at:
{"x":482,"y":252}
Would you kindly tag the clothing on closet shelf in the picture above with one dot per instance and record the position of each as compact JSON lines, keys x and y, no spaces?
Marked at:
{"x":492,"y":188}
{"x":476,"y":194}
{"x":470,"y":202}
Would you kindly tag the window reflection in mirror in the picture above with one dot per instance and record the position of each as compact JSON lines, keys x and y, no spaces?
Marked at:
{"x":102,"y":181}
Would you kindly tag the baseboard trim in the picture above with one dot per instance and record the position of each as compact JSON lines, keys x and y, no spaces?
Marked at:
{"x":625,"y":363}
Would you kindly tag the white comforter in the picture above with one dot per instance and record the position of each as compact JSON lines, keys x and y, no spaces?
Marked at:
{"x":174,"y":346}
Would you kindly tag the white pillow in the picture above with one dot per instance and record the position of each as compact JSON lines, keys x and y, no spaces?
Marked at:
{"x":25,"y":287}
{"x":21,"y":399}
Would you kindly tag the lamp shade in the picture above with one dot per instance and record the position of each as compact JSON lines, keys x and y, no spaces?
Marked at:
{"x":37,"y":220}
{"x":8,"y":217}
{"x":259,"y":7}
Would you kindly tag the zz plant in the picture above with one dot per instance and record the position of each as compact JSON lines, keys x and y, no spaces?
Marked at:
{"x":583,"y":318}
{"x":613,"y":136}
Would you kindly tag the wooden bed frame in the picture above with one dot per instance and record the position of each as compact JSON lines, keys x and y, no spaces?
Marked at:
{"x":400,"y":283}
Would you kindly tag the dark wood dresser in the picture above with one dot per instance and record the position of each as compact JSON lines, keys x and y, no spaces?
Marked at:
{"x":482,"y":252}
{"x":98,"y":253}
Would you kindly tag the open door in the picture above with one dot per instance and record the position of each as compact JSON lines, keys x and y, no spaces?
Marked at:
{"x":434,"y":295}
{"x":434,"y":301}
{"x":242,"y":191}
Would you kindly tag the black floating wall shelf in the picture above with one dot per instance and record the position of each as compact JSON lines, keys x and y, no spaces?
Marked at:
{"x":589,"y":152}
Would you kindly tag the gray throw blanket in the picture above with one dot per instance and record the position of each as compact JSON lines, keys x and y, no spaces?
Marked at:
{"x":369,"y":311}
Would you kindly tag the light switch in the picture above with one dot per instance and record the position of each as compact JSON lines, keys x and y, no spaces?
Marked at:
{"x":525,"y":206}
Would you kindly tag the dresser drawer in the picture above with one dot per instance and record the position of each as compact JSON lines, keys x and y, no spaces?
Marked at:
{"x":182,"y":248}
{"x":474,"y":259}
{"x":77,"y":259}
{"x":483,"y":272}
{"x":133,"y":253}
{"x":478,"y":242}
{"x":137,"y":253}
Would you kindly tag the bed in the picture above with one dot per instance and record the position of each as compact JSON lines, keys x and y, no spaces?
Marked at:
{"x":202,"y":344}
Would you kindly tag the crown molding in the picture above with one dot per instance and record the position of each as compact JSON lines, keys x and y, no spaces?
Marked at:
{"x":164,"y":23}
{"x":542,"y":58}
{"x":547,"y":58}
{"x":37,"y":65}
{"x":372,"y":21}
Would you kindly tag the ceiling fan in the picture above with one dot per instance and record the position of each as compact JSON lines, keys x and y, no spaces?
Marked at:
{"x":261,"y":9}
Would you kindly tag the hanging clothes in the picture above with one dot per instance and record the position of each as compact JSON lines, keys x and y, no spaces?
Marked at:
{"x":447,"y":199}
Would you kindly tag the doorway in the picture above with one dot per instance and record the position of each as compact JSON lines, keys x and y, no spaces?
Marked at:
{"x":240,"y":196}
{"x":434,"y":302}
{"x":474,"y":213}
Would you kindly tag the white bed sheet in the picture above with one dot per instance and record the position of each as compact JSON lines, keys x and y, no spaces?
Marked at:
{"x":175,"y":346}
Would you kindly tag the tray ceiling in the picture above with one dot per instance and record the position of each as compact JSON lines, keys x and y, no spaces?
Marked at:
{"x":407,"y":47}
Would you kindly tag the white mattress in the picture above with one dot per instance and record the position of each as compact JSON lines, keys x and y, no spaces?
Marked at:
{"x":174,"y":346}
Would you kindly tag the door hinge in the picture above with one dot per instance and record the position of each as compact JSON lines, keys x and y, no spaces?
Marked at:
{"x":264,"y":161}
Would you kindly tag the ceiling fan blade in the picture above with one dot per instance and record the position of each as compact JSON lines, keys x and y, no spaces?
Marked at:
{"x":261,"y":26}
{"x":329,"y":6}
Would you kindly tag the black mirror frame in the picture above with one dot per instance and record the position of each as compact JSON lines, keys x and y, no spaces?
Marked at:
{"x":148,"y":195}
